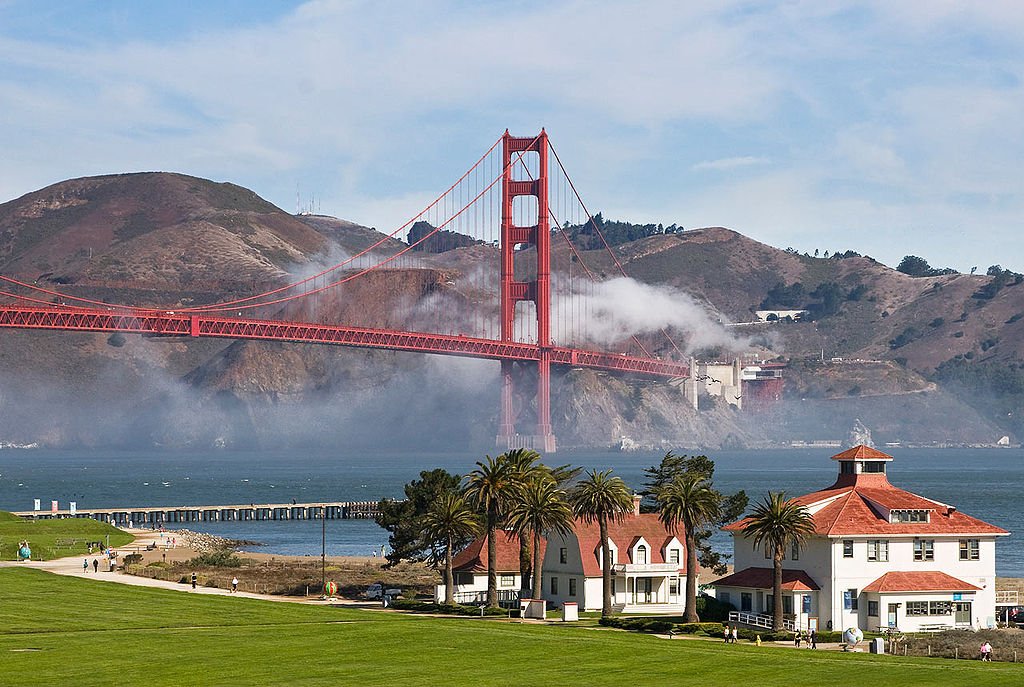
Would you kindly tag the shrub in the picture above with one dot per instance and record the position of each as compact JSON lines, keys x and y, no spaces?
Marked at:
{"x":132,"y":559}
{"x":223,"y":558}
{"x":431,"y":607}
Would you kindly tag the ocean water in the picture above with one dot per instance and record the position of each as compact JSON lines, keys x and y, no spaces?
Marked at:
{"x":985,"y":483}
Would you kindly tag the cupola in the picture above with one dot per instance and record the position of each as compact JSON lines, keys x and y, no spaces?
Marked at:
{"x":861,"y":464}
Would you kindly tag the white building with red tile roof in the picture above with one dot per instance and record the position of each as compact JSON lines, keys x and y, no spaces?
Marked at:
{"x":648,"y":566}
{"x":470,"y":571}
{"x":880,"y":557}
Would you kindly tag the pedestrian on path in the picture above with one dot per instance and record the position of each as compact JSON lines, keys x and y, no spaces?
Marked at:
{"x":95,"y":565}
{"x":726,"y":633}
{"x":814,"y":639}
{"x":735,"y":634}
{"x":234,"y":585}
{"x":796,"y":638}
{"x":194,"y":579}
{"x":85,"y":565}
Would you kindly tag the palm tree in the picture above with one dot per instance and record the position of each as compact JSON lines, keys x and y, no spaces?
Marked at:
{"x":688,"y":501}
{"x":778,"y":522}
{"x":540,"y":509}
{"x":525,"y":464}
{"x":490,"y":488}
{"x":602,"y":499}
{"x":449,"y":520}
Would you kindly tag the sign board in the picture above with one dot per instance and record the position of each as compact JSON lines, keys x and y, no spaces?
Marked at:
{"x":36,"y":505}
{"x":53,"y":506}
{"x":957,"y":596}
{"x":812,"y":623}
{"x":73,"y":507}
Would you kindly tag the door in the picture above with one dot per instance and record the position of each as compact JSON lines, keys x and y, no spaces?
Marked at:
{"x":893,"y":608}
{"x":962,"y":612}
{"x":643,"y":588}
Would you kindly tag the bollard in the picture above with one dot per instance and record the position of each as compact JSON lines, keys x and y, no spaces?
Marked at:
{"x":929,"y":649}
{"x":956,"y":652}
{"x":904,"y":649}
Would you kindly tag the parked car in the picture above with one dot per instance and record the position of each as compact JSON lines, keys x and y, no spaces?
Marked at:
{"x":379,"y":591}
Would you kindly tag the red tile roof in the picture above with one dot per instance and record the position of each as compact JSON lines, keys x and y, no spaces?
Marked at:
{"x":624,"y":534}
{"x":919,"y":581}
{"x":763,"y":578}
{"x":861,"y":452}
{"x":473,"y":558}
{"x":845,"y":508}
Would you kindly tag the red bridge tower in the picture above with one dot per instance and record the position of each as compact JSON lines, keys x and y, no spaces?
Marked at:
{"x":538,"y":290}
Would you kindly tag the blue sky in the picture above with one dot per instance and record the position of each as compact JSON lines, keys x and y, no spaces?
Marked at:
{"x":889,"y":128}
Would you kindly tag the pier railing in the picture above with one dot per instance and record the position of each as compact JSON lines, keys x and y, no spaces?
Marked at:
{"x":157,"y":515}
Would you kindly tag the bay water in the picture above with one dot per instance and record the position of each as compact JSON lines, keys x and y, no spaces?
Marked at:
{"x":985,"y":483}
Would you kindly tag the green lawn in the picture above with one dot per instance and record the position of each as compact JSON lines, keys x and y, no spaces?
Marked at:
{"x":55,"y":538}
{"x":70,"y":631}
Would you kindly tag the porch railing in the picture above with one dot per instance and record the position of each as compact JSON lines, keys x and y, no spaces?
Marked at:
{"x":758,"y":620}
{"x":507,"y":598}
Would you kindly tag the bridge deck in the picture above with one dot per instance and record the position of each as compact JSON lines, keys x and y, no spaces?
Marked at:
{"x":169,"y":323}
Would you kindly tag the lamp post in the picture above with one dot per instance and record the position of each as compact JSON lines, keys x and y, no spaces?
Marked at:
{"x":323,"y":547}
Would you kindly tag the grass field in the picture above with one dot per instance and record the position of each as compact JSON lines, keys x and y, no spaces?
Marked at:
{"x":55,"y":538}
{"x":69,"y":631}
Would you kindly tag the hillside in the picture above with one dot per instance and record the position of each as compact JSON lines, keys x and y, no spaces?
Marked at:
{"x":169,"y":239}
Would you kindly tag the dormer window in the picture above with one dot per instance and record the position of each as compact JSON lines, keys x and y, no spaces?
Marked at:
{"x":641,"y":555}
{"x":908,"y":516}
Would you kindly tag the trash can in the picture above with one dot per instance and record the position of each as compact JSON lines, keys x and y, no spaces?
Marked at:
{"x":877,"y":646}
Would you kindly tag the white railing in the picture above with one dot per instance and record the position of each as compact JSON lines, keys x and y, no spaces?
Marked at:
{"x":757,"y":620}
{"x":646,"y":567}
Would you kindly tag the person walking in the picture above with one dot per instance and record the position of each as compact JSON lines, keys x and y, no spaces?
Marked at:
{"x":194,"y":580}
{"x":986,"y":652}
{"x":85,"y":565}
{"x":735,"y":634}
{"x":234,"y":585}
{"x":814,"y":639}
{"x":796,"y":638}
{"x":95,"y":565}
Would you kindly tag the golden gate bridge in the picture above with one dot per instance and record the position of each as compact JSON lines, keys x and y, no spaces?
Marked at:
{"x":507,"y":210}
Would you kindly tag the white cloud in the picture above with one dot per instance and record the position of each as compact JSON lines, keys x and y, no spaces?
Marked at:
{"x":729,"y":163}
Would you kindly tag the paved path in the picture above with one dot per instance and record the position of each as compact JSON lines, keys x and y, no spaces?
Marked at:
{"x":72,"y":567}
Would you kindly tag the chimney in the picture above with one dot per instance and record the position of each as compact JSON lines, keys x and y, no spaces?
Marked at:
{"x":636,"y":504}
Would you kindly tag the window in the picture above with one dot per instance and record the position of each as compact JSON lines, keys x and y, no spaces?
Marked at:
{"x":572,"y":586}
{"x":929,"y":608}
{"x":969,"y":550}
{"x":795,"y":553}
{"x":847,"y":548}
{"x":613,"y":586}
{"x":924,"y":549}
{"x":673,"y":556}
{"x":724,"y":597}
{"x":554,"y":586}
{"x":908,"y":516}
{"x":806,"y":608}
{"x":506,"y":581}
{"x":873,"y":609}
{"x":878,"y":549}
{"x":873,"y":466}
{"x":673,"y":586}
{"x":563,"y":555}
{"x":846,"y":467}
{"x":850,"y":600}
{"x":641,"y":555}
{"x":787,"y":605}
{"x":746,"y":601}
{"x":463,"y":578}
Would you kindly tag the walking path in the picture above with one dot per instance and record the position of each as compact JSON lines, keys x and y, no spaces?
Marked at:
{"x":72,"y":567}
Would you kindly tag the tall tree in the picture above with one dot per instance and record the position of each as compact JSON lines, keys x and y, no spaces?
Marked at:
{"x":490,"y":488}
{"x":404,"y":519}
{"x":602,"y":499}
{"x":731,"y":507}
{"x":541,"y":509}
{"x":688,"y":501}
{"x":449,"y":521}
{"x":525,"y":463}
{"x":778,"y":522}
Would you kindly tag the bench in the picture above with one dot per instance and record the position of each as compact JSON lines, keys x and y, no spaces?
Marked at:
{"x":934,"y":627}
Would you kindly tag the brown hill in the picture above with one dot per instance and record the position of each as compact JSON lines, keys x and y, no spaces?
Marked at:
{"x":159,"y":238}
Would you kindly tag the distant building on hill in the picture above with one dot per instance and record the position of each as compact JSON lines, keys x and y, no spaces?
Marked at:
{"x":881,"y":557}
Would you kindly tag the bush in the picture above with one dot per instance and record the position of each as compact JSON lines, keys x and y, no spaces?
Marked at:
{"x":223,"y":558}
{"x":711,"y":609}
{"x":132,"y":559}
{"x":431,"y":607}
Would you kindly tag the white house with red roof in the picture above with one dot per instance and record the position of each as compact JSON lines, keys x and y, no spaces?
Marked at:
{"x":470,"y":571}
{"x":648,"y":564}
{"x":880,"y":557}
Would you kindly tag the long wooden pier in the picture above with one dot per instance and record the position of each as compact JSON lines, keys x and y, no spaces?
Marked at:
{"x":156,"y":515}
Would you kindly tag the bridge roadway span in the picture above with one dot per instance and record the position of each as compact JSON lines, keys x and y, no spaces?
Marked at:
{"x":156,"y":515}
{"x":169,"y":323}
